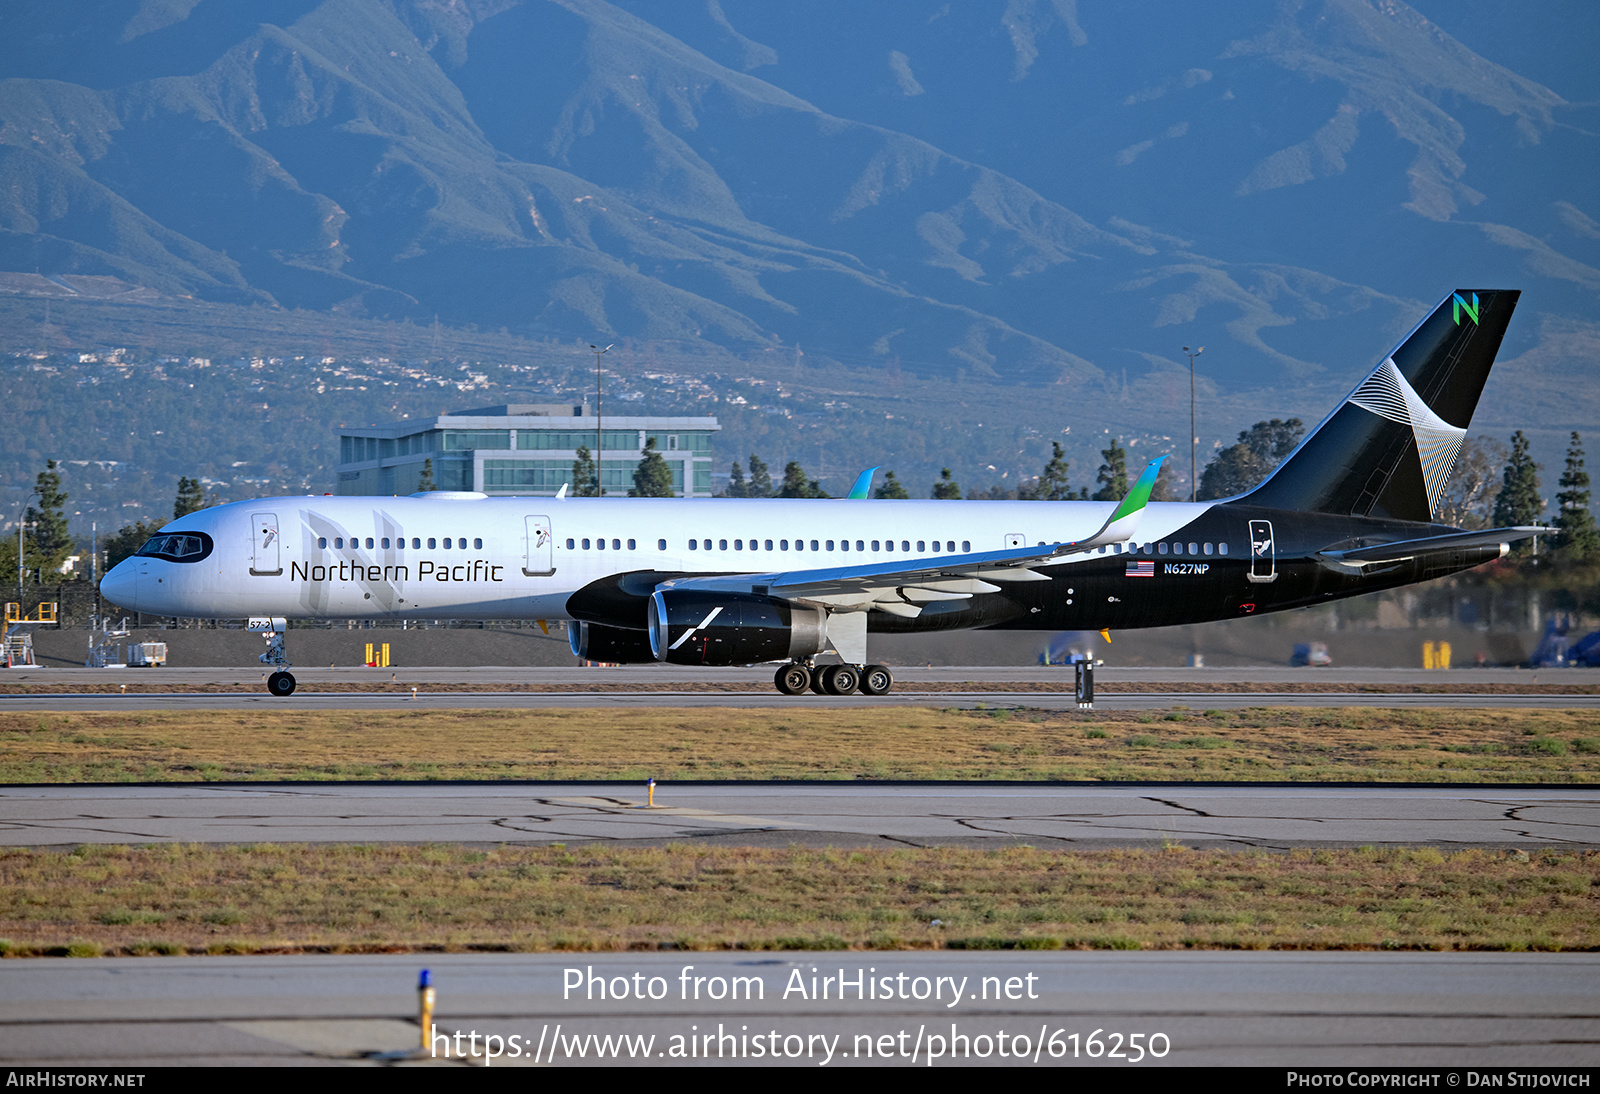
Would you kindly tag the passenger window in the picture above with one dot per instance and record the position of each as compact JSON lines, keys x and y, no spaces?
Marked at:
{"x":631,"y":545}
{"x":571,"y":543}
{"x":693,"y":544}
{"x":922,"y":546}
{"x":738,"y":545}
{"x":769,"y":545}
{"x":1222,"y":548}
{"x":385,"y":543}
{"x":661,"y":545}
{"x":860,"y":546}
{"x":446,"y":543}
{"x":722,"y":545}
{"x":966,"y":546}
{"x":905,"y":545}
{"x":322,"y":543}
{"x":477,"y":544}
{"x":813,"y":545}
{"x":783,"y":545}
{"x":416,"y":543}
{"x":844,"y":545}
{"x":616,"y":545}
{"x":874,"y":545}
{"x":462,"y":543}
{"x":1208,"y":548}
{"x":1162,"y":547}
{"x":432,"y":543}
{"x":586,"y":545}
{"x":1194,"y":548}
{"x":830,"y":544}
{"x":600,"y":544}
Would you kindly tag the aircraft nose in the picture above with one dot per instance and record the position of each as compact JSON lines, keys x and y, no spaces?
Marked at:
{"x":121,"y":585}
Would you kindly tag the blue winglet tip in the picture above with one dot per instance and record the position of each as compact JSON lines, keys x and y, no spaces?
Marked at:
{"x":863,"y":483}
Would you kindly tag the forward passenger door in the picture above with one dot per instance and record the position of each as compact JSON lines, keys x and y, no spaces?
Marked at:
{"x":265,"y":560}
{"x":539,"y":558}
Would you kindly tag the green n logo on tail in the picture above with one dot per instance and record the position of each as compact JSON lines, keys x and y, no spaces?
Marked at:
{"x":1460,"y":305}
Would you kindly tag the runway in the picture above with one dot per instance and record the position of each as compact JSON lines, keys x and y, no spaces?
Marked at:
{"x":634,"y":686}
{"x":1450,"y":1012}
{"x":767,"y":814}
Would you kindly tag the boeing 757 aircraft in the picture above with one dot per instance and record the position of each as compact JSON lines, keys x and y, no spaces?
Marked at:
{"x":736,"y":582}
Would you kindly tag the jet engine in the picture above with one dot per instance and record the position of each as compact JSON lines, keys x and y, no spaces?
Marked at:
{"x":613,"y":645}
{"x":692,"y":627}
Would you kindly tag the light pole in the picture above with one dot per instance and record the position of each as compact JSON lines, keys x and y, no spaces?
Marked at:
{"x":22,"y":522}
{"x":599,"y":436}
{"x":1194,"y":481}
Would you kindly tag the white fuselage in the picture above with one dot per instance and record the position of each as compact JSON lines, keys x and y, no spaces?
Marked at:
{"x":470,"y":556}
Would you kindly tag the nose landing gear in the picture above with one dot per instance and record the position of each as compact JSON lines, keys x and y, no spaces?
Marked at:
{"x":281,"y":682}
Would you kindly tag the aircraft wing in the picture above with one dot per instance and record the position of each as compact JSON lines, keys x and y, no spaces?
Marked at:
{"x":1451,"y":541}
{"x":902,"y":587}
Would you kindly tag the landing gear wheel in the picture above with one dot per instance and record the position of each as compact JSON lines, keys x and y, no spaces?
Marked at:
{"x":819,"y":679}
{"x":840,"y":679}
{"x":793,"y":679}
{"x":280,"y":684}
{"x":876,"y":680}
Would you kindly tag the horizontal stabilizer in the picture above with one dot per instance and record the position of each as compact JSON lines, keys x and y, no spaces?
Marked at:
{"x":1455,"y":541}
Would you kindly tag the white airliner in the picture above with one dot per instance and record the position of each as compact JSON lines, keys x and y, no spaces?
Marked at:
{"x":724,"y":581}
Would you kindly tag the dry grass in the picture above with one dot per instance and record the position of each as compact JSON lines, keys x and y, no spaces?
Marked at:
{"x":1265,"y":743}
{"x":186,"y":899}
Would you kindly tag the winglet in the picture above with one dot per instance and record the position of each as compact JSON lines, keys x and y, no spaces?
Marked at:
{"x":1138,"y":495}
{"x":1124,"y":519}
{"x":562,"y":493}
{"x":863,"y":483}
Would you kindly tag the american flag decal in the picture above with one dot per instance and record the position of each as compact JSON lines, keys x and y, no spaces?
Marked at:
{"x":1141,"y":569}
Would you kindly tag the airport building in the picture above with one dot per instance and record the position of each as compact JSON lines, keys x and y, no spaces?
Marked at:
{"x":523,"y":449}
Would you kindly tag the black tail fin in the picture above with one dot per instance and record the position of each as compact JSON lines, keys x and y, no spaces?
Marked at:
{"x":1388,"y":449}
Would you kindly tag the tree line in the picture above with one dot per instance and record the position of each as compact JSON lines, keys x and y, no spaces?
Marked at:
{"x":1492,"y":485}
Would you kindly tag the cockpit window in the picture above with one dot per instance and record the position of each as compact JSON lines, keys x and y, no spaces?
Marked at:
{"x":178,"y":547}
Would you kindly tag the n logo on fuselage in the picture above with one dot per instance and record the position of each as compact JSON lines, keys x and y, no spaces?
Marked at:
{"x":1459,"y":305}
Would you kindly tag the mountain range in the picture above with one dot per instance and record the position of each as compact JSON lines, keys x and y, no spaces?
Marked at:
{"x":1048,"y":194}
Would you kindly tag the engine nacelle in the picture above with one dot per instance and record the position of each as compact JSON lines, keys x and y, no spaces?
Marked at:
{"x":615,"y":645}
{"x":691,"y":627}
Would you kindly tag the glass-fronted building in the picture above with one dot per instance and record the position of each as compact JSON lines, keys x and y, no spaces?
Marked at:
{"x":521,"y":449}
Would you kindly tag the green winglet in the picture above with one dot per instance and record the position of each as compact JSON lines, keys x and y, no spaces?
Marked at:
{"x":1139,"y":493}
{"x":863,"y":483}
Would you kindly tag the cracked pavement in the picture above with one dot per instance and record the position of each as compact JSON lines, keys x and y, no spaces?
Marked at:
{"x":767,"y":814}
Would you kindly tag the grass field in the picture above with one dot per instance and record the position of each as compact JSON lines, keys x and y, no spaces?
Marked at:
{"x":176,"y":899}
{"x":1257,"y":744}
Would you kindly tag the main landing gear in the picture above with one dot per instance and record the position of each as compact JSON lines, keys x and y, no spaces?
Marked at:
{"x":796,"y":678}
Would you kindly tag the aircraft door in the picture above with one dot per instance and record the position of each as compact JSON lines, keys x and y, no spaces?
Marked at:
{"x":265,"y":560}
{"x":539,"y":560}
{"x":1263,"y":555}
